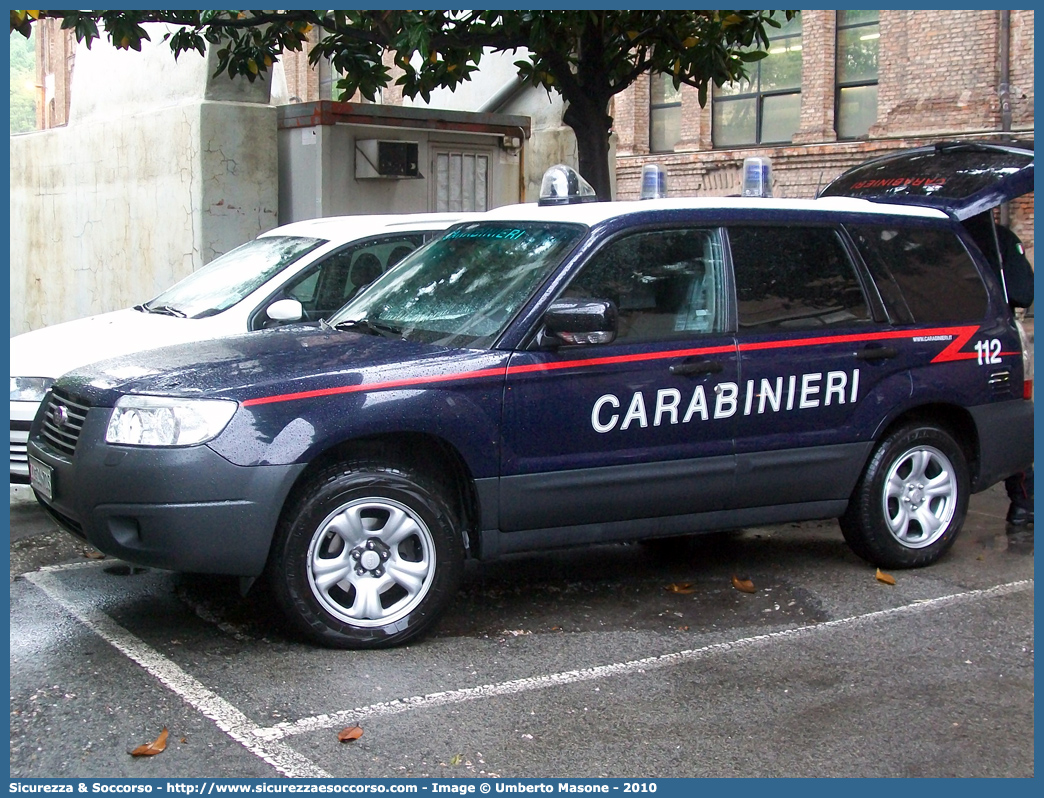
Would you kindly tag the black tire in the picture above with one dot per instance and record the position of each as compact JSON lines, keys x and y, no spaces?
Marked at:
{"x":911,"y":500}
{"x":389,"y":536}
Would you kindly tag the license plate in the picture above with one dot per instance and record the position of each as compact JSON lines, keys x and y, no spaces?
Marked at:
{"x":40,"y":478}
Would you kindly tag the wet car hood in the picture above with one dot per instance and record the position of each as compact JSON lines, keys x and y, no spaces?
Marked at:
{"x":256,"y":365}
{"x":52,"y":351}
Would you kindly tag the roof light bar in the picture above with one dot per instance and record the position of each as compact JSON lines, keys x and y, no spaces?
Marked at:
{"x":654,"y":182}
{"x":757,"y":177}
{"x":562,"y":185}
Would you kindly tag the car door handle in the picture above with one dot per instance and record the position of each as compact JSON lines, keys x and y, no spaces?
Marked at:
{"x":696,"y":368}
{"x":877,"y":353}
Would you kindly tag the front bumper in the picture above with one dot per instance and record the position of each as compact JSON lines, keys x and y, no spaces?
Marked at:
{"x":182,"y":509}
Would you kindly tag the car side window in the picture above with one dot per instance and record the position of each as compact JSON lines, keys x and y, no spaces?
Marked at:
{"x":303,"y":288}
{"x":330,"y":284}
{"x":666,"y":284}
{"x":924,"y":276}
{"x":794,"y":278}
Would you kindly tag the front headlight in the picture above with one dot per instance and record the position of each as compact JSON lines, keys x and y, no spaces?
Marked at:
{"x":167,"y":421}
{"x":29,"y":389}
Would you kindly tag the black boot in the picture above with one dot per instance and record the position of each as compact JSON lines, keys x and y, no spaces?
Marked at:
{"x":1019,"y":516}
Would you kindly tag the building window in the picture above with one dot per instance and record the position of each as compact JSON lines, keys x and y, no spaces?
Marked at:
{"x":858,"y":34}
{"x":664,"y":113}
{"x":461,"y":181}
{"x":765,"y":108}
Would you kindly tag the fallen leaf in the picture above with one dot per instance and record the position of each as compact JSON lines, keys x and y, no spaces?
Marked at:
{"x":457,"y":759}
{"x":888,"y":579}
{"x":349,"y":733}
{"x":183,"y":740}
{"x":681,"y":587}
{"x":153,"y":748}
{"x":744,"y":585}
{"x":93,"y":554}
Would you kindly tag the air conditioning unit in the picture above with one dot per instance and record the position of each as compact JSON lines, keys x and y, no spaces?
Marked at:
{"x":394,"y":160}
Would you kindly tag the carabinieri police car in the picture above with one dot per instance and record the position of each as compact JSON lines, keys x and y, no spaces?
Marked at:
{"x":572,"y":372}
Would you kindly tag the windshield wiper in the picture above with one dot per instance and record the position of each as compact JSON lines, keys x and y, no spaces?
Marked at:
{"x":166,"y":310}
{"x":372,"y":326}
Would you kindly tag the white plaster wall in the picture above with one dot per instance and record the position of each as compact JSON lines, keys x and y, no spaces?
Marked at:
{"x":240,"y":174}
{"x":105,"y":214}
{"x":161,"y":168}
{"x":496,"y":70}
{"x":552,"y":141}
{"x":108,"y":83}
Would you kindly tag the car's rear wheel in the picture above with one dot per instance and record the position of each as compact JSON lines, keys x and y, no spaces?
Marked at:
{"x":368,"y":556}
{"x":911,"y":501}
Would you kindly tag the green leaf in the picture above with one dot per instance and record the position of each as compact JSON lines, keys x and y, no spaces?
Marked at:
{"x":751,"y":56}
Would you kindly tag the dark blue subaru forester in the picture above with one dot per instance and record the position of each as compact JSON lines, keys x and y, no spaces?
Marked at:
{"x":575,"y":372}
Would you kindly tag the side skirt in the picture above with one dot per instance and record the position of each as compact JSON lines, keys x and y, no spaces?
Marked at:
{"x":495,"y":543}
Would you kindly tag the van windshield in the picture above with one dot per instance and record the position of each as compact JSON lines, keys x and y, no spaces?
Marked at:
{"x":462,"y":289}
{"x":230,"y":278}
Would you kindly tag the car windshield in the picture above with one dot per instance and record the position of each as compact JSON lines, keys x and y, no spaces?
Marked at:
{"x":226,"y":280}
{"x":464,"y":288}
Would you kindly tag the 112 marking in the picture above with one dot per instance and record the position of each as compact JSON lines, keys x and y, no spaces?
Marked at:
{"x":988,"y":352}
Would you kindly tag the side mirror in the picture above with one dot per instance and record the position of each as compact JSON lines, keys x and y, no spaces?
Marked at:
{"x":579,"y":321}
{"x":285,"y":311}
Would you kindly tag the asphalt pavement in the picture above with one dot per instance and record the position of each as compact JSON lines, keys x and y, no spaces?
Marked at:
{"x":621,"y":661}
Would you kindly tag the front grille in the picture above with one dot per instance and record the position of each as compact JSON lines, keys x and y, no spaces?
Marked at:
{"x":19,"y":455}
{"x":62,"y":422}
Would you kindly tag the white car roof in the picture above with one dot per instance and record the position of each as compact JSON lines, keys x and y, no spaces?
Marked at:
{"x":348,"y":228}
{"x":590,"y":213}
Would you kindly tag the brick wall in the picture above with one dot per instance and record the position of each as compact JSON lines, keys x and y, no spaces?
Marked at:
{"x":56,"y":53}
{"x":302,"y":81}
{"x":939,"y":76}
{"x":1022,"y":69}
{"x":937,"y":72}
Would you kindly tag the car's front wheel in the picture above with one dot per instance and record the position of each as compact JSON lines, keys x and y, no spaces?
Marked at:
{"x":368,"y":556}
{"x":911,"y":501}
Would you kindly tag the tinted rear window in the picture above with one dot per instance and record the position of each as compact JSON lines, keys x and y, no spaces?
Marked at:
{"x":924,"y":276}
{"x":950,"y":173}
{"x":794,"y":278}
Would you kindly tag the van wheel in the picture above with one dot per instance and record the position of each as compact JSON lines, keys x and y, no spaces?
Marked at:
{"x":368,"y":556}
{"x":911,"y":501}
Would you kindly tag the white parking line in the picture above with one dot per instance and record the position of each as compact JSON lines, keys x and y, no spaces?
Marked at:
{"x":328,"y":721}
{"x":265,"y":742}
{"x":225,"y":716}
